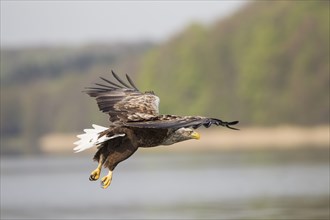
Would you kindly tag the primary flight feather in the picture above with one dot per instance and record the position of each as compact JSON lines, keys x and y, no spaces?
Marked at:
{"x":134,"y":122}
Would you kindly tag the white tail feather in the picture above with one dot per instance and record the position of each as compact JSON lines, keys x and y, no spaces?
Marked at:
{"x":91,"y":138}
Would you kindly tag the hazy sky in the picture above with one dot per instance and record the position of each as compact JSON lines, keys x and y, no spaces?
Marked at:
{"x":26,"y":23}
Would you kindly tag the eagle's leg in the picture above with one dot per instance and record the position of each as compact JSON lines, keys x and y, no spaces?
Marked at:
{"x":95,"y":175}
{"x":106,"y":180}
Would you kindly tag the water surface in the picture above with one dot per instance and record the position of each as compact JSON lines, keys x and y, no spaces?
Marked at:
{"x":217,"y":185}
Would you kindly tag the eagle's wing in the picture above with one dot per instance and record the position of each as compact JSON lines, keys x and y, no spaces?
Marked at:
{"x":123,"y":101}
{"x":176,"y":122}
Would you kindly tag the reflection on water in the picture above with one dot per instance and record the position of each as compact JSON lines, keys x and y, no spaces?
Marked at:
{"x":215,"y":185}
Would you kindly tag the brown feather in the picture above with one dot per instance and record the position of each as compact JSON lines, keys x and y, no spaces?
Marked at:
{"x":124,"y":103}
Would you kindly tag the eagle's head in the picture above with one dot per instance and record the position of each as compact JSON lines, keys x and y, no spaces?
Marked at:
{"x":181,"y":134}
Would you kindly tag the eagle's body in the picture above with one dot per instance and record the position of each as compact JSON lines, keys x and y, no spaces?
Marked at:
{"x":134,"y":122}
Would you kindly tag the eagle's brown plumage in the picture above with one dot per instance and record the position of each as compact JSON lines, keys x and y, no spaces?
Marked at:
{"x":134,"y":122}
{"x":123,"y":102}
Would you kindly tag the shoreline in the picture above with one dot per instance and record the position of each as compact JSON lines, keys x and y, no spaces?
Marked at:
{"x":215,"y":139}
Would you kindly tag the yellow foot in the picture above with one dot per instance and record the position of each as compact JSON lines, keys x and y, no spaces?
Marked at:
{"x":95,"y":175}
{"x":106,"y":180}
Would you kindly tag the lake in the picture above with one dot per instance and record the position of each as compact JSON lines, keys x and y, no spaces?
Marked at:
{"x":210,"y":185}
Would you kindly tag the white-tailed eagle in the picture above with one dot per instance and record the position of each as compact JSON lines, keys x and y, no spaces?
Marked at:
{"x":134,"y":122}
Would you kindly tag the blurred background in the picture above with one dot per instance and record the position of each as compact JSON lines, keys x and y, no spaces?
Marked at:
{"x":264,"y":63}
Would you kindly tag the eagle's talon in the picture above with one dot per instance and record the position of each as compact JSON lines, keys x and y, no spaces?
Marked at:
{"x":106,"y":180}
{"x":91,"y":178}
{"x":95,"y":175}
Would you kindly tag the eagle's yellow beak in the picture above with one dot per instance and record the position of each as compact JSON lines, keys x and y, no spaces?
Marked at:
{"x":195,"y":135}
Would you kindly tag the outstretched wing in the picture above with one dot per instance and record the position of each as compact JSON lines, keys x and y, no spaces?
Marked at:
{"x":176,"y":122}
{"x":123,"y":101}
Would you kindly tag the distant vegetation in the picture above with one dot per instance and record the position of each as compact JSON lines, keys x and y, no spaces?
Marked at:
{"x":268,"y":64}
{"x":41,"y":89}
